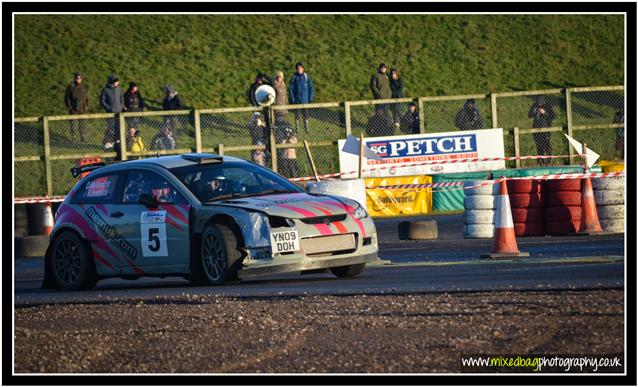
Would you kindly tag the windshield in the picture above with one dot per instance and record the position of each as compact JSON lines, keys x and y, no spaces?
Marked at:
{"x":231,"y":179}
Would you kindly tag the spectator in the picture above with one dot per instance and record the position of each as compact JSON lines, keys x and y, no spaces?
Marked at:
{"x":258,"y":133}
{"x":543,"y":114}
{"x":380,"y":86}
{"x":76,"y":99}
{"x":396,"y":85}
{"x":134,"y":141}
{"x":261,"y":79}
{"x":469,"y":117}
{"x":171,"y":102}
{"x":164,"y":140}
{"x":410,"y":120}
{"x":302,"y":91}
{"x":619,"y":118}
{"x":134,"y":103}
{"x":281,"y":97}
{"x":112,"y":100}
{"x":379,"y":124}
{"x":287,"y":157}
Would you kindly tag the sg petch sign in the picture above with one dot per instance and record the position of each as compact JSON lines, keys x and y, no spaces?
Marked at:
{"x":398,"y":152}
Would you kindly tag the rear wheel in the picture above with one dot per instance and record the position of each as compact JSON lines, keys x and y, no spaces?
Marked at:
{"x":72,"y":266}
{"x":219,"y":256}
{"x":348,"y":271}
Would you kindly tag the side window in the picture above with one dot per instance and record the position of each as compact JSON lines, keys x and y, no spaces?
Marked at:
{"x":100,"y":189}
{"x":139,"y":182}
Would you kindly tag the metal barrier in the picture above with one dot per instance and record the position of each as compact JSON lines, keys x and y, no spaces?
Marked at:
{"x":47,"y":147}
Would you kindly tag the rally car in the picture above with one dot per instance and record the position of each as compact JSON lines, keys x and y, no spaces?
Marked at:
{"x":205,"y":217}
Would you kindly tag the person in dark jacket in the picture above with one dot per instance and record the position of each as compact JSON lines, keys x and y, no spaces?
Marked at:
{"x":410,"y":120}
{"x":379,"y":125}
{"x":171,"y":102}
{"x":469,"y":117}
{"x":134,"y":103}
{"x":543,"y":114}
{"x":112,"y":100}
{"x":260,"y":79}
{"x":76,"y":99}
{"x":164,"y":140}
{"x":396,"y":85}
{"x":302,"y":91}
{"x":380,"y":86}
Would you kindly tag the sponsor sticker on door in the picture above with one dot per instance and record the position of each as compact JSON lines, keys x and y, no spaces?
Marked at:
{"x":285,"y":241}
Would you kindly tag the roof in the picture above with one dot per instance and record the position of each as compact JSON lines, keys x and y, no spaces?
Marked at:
{"x":172,"y":161}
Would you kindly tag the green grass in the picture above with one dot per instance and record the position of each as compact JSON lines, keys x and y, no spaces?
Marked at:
{"x":212,"y":59}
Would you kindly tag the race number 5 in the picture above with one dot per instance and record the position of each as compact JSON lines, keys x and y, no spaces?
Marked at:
{"x":154,"y":240}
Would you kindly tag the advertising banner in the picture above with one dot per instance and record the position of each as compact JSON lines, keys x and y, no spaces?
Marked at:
{"x":398,"y":202}
{"x":449,"y":149}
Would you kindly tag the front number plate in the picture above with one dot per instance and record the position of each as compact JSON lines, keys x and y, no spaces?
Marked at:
{"x":285,"y":241}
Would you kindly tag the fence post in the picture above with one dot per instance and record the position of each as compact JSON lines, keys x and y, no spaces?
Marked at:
{"x":273,"y":143}
{"x":346,"y":107}
{"x":220,"y":149}
{"x":570,"y":124}
{"x":122,"y":134}
{"x":494,"y":114}
{"x":517,"y":147}
{"x":47,"y":155}
{"x":421,"y":104}
{"x":198,"y":131}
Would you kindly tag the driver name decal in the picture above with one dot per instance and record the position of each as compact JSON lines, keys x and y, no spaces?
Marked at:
{"x":109,"y":232}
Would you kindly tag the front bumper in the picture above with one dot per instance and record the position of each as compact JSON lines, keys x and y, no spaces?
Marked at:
{"x":308,"y":264}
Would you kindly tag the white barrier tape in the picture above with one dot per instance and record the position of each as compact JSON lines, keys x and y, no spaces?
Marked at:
{"x":562,"y":176}
{"x":475,"y":160}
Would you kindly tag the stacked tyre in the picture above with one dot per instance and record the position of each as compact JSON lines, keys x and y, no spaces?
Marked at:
{"x":609,"y":194}
{"x":563,"y":209}
{"x":527,"y":199}
{"x":480,"y":205}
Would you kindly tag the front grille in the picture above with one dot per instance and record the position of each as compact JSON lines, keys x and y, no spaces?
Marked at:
{"x":329,"y":245}
{"x":324,"y":219}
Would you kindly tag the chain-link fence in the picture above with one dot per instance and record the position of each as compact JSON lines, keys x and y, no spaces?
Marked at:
{"x":384,"y":117}
{"x":598,"y":118}
{"x":533,"y":123}
{"x":541,"y":110}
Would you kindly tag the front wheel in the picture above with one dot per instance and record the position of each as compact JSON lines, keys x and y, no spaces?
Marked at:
{"x":219,"y":254}
{"x":348,"y":271}
{"x":72,"y":266}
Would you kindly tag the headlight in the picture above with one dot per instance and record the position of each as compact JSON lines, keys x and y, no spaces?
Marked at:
{"x":359,"y":212}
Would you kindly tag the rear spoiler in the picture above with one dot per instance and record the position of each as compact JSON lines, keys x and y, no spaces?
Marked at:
{"x":77,"y":171}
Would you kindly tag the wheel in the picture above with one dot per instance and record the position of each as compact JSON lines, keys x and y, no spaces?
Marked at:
{"x":563,"y":198}
{"x":72,"y":266}
{"x":526,"y":200}
{"x":613,"y":225}
{"x":491,"y":189}
{"x":479,"y":231}
{"x":418,"y":230}
{"x":525,"y":186}
{"x":478,"y":217}
{"x":563,"y":213}
{"x":611,"y":212}
{"x":479,"y":202}
{"x":529,"y":229}
{"x":563,"y":185}
{"x":219,"y":256}
{"x":562,"y":228}
{"x":609,"y":197}
{"x":528,"y":215}
{"x":348,"y":271}
{"x":609,"y":183}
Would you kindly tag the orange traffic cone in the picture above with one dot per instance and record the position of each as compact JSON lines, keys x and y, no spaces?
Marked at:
{"x":504,"y":246}
{"x":43,"y":219}
{"x":589,"y":223}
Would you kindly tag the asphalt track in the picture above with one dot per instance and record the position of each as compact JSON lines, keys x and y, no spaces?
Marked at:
{"x":448,"y":264}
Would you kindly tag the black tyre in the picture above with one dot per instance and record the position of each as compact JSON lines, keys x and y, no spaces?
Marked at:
{"x":219,"y":256}
{"x":72,"y":265}
{"x":348,"y":271}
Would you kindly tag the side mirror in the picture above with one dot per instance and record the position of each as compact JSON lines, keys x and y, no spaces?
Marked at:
{"x":147,"y":200}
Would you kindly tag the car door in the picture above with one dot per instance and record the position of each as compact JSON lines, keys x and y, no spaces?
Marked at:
{"x":160,"y":234}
